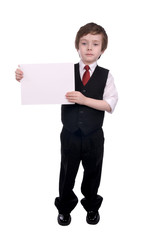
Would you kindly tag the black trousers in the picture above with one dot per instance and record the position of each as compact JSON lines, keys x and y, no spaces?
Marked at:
{"x":75,"y":147}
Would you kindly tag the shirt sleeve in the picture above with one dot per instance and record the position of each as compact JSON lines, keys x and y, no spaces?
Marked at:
{"x":110,"y":92}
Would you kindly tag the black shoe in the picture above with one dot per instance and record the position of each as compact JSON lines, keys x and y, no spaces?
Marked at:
{"x":93,"y":217}
{"x":64,"y":219}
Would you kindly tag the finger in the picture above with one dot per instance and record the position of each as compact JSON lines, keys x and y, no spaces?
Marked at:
{"x":70,"y":94}
{"x":18,"y":77}
{"x":18,"y":71}
{"x":18,"y":74}
{"x":71,"y":98}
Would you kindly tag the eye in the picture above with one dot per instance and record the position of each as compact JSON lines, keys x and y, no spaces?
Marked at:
{"x":96,"y":43}
{"x":84,"y":43}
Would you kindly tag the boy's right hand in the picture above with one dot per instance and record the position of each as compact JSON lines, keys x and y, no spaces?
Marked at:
{"x":18,"y":74}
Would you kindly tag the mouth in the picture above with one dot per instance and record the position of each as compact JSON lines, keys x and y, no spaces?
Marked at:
{"x":89,"y":54}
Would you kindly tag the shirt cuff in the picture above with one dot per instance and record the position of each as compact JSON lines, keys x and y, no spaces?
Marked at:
{"x":112,"y":103}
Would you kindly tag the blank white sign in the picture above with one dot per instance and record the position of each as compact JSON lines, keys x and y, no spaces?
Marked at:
{"x":47,"y":83}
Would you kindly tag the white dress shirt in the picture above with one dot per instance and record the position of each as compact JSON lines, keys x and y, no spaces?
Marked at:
{"x":110,"y":92}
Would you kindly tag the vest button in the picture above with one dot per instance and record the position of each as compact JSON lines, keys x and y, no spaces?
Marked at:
{"x":84,"y":90}
{"x":81,"y":111}
{"x":80,"y":123}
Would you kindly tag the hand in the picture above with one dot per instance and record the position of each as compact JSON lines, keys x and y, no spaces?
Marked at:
{"x":76,"y":97}
{"x":18,"y":74}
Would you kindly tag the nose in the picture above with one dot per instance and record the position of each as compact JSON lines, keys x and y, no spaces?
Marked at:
{"x":89,"y":46}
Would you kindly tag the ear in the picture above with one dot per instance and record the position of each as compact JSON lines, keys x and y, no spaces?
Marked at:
{"x":78,"y":52}
{"x":101,"y":54}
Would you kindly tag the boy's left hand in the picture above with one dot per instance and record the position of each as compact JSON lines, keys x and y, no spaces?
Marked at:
{"x":76,"y":97}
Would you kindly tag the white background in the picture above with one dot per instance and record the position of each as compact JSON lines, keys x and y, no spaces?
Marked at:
{"x":43,"y":31}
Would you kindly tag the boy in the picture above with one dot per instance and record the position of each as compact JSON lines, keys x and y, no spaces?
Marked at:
{"x":82,"y":135}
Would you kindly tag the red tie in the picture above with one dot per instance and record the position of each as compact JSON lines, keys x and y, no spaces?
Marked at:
{"x":86,"y":75}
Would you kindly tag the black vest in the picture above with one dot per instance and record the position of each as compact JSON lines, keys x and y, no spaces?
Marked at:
{"x":75,"y":116}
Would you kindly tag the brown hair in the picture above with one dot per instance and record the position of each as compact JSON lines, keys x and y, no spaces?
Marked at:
{"x":92,"y":28}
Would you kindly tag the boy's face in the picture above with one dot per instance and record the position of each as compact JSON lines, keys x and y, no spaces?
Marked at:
{"x":90,"y":48}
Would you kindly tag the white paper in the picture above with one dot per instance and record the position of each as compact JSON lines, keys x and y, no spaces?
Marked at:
{"x":47,"y":83}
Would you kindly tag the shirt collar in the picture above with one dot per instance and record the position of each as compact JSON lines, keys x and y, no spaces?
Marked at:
{"x":92,"y":66}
